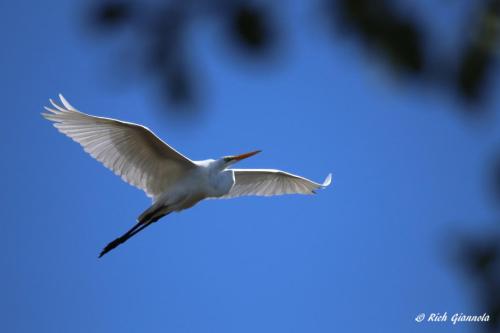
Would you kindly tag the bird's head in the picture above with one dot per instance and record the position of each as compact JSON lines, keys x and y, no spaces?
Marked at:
{"x":228,"y":160}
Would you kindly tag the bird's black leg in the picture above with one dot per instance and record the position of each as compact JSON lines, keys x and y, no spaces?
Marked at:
{"x":138,"y":227}
{"x":122,"y":239}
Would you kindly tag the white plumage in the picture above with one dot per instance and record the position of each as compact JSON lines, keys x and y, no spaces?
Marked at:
{"x":268,"y":182}
{"x":131,"y":151}
{"x":172,"y":180}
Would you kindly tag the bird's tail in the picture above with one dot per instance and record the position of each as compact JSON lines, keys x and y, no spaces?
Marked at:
{"x":147,"y":218}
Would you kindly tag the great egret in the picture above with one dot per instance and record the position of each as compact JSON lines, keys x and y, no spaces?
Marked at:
{"x":173,"y":181}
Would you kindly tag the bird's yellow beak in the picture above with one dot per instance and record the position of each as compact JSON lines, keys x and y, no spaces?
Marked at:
{"x":246,"y":155}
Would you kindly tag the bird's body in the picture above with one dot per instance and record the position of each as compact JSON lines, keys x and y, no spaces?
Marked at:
{"x":206,"y":180}
{"x":173,"y":181}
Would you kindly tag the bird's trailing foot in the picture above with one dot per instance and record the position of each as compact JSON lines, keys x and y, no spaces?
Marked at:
{"x":141,"y":225}
{"x":112,"y":245}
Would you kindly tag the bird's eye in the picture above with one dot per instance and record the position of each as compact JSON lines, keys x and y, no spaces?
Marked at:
{"x":227,"y":159}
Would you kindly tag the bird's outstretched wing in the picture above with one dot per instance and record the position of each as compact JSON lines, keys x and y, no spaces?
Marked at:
{"x":267,"y":182}
{"x":131,"y":151}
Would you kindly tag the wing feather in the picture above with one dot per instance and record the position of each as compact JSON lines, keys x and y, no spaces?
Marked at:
{"x":268,"y":182}
{"x":130,"y":150}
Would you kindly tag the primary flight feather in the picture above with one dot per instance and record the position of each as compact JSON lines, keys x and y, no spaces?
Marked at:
{"x":173,"y":181}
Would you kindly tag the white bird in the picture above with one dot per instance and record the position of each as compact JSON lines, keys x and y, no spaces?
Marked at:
{"x":173,"y":181}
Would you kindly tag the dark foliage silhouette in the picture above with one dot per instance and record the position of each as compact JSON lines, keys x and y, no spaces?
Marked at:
{"x":479,"y":256}
{"x":162,"y":27}
{"x":394,"y":38}
{"x":380,"y":27}
{"x":479,"y":56}
{"x":400,"y":40}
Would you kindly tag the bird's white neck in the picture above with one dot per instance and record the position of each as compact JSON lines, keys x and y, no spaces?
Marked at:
{"x":213,"y":165}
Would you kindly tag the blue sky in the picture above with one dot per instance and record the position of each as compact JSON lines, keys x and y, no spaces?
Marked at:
{"x":367,"y":254}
